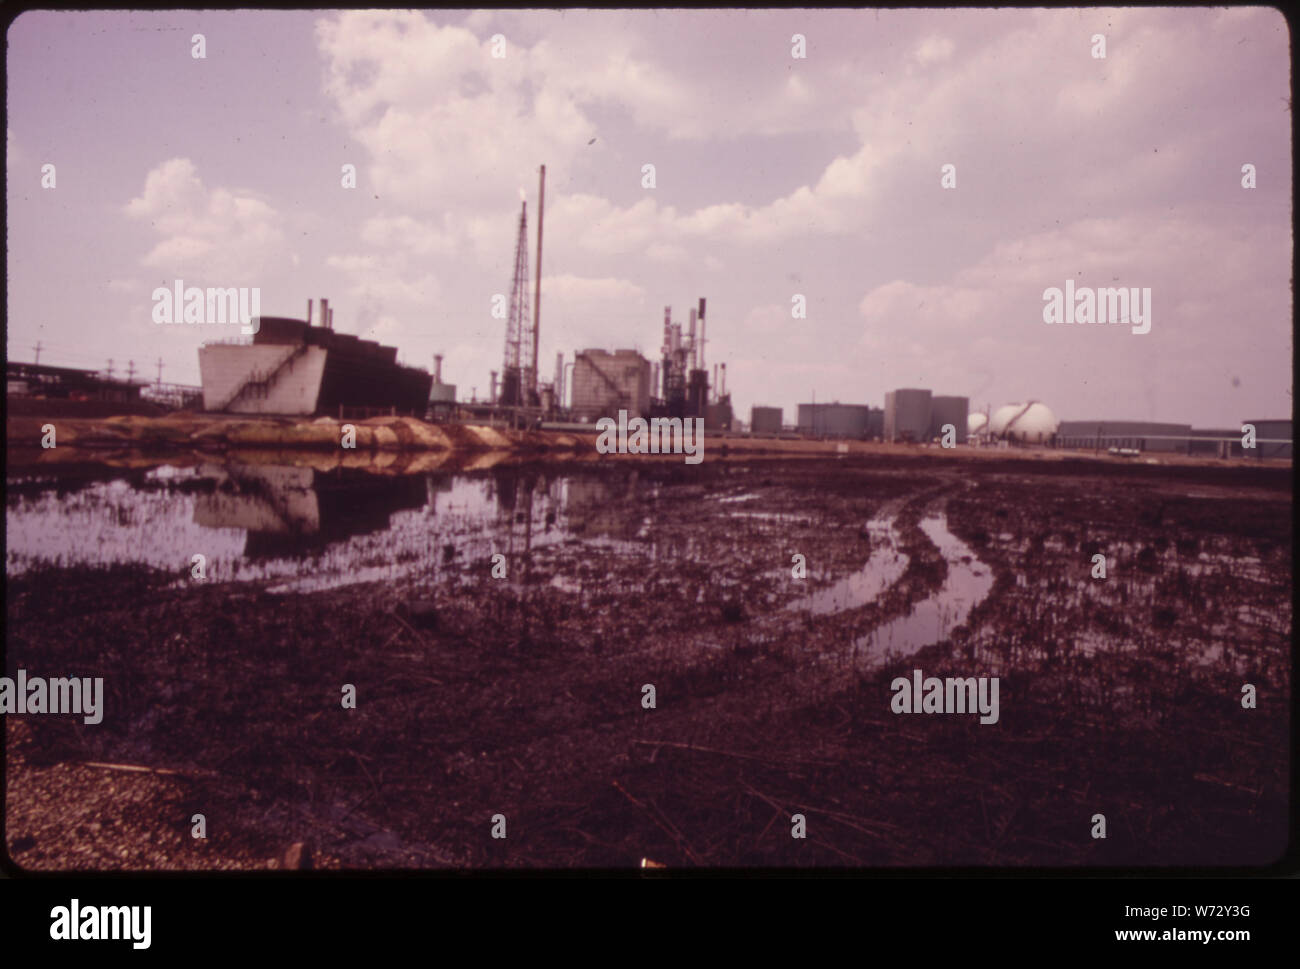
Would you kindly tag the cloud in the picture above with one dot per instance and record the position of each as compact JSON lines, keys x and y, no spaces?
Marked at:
{"x":221,"y":235}
{"x":934,"y":50}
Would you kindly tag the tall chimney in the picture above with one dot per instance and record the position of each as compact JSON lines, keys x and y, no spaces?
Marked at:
{"x":559,"y":379}
{"x":437,"y":368}
{"x":537,"y":289}
{"x":715,"y":383}
{"x":492,"y":391}
{"x":722,"y":392}
{"x":702,"y":366}
{"x":694,"y":354}
{"x":325,"y":313}
{"x":331,"y":317}
{"x":309,"y":302}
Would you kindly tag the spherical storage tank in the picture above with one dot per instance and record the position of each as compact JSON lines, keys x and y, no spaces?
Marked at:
{"x":1031,"y":423}
{"x":976,"y":424}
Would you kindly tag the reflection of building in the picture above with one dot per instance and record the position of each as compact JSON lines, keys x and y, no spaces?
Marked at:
{"x":292,"y":367}
{"x":605,"y":383}
{"x":290,"y":511}
{"x":598,"y":505}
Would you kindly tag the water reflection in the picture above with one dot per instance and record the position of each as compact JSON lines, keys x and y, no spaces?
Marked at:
{"x":308,"y":528}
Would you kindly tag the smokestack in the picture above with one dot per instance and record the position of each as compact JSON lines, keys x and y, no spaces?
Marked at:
{"x":715,"y":383}
{"x":309,"y":302}
{"x":655,"y":389}
{"x":492,"y":388}
{"x":325,"y":313}
{"x":537,"y":289}
{"x":559,"y":378}
{"x":694,"y":354}
{"x":331,"y":317}
{"x":722,"y":392}
{"x":437,"y":368}
{"x":668,"y":330}
{"x":702,"y":366}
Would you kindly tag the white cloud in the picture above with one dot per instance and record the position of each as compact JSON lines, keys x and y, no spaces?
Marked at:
{"x":218,"y":234}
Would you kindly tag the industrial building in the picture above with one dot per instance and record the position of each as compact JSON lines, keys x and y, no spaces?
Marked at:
{"x":33,"y":388}
{"x":442,"y":397}
{"x":856,"y":421}
{"x":717,"y":415}
{"x":294,"y":368}
{"x":1272,"y":438}
{"x":605,"y":383}
{"x":1215,"y":442}
{"x":907,"y":415}
{"x":949,"y":410}
{"x":765,"y":420}
{"x":1137,"y":435}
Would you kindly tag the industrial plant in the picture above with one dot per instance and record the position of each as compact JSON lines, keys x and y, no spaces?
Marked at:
{"x":305,"y":367}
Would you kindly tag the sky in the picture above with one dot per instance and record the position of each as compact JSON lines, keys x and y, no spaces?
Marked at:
{"x":779,"y":181}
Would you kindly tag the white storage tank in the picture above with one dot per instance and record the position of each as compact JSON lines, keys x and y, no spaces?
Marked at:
{"x":1029,"y":423}
{"x":977,"y":424}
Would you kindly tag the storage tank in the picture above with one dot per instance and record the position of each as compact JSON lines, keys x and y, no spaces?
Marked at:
{"x":1029,"y":423}
{"x":765,"y":420}
{"x":949,"y":410}
{"x":977,"y":424}
{"x":907,"y":415}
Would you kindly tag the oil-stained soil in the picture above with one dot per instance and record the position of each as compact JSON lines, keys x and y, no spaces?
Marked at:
{"x":523,"y":695}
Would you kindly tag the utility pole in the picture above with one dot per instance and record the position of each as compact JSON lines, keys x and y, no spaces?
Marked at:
{"x":37,"y":348}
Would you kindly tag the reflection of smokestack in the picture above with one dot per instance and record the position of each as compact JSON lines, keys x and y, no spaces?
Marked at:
{"x":309,"y":302}
{"x":437,"y":368}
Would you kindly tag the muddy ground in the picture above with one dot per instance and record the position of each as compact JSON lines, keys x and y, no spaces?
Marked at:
{"x":522,"y":697}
